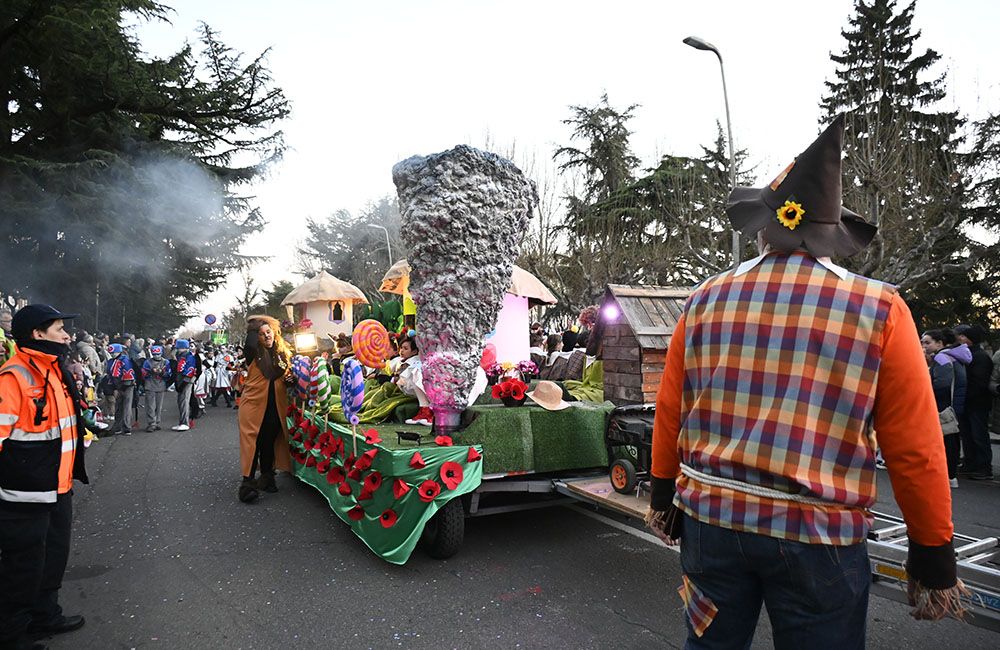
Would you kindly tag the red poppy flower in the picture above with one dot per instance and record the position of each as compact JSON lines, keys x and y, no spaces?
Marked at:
{"x":363,"y":463}
{"x":344,"y":489}
{"x":451,"y":474}
{"x":349,"y":461}
{"x":335,"y":475}
{"x":354,"y":474}
{"x":357,"y":513}
{"x":371,"y":437}
{"x":289,"y":410}
{"x":399,"y":488}
{"x":373,"y":481}
{"x":370,"y":454}
{"x":297,"y":436}
{"x":496,"y":391}
{"x":473,"y":455}
{"x":300,"y":458}
{"x":323,"y":465}
{"x":417,"y":461}
{"x":365,"y":495}
{"x":308,"y":444}
{"x":517,"y":392}
{"x":311,"y":461}
{"x":388,"y":519}
{"x":443,"y":441}
{"x":429,"y":490}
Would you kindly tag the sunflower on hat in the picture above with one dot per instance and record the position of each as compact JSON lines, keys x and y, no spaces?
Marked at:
{"x":790,"y":214}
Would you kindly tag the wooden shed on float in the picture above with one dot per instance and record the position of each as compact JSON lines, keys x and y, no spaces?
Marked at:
{"x":631,"y":336}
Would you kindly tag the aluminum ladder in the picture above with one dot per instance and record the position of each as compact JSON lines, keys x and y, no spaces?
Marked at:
{"x":978,"y":567}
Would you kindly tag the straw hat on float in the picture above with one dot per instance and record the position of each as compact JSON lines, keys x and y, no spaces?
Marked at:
{"x":548,"y":395}
{"x":801,"y":208}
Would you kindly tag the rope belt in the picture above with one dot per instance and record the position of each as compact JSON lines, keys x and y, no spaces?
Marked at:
{"x":755,"y":490}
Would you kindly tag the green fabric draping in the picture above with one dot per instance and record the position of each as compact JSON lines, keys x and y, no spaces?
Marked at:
{"x":390,"y":468}
{"x":591,"y":388}
{"x":529,"y":438}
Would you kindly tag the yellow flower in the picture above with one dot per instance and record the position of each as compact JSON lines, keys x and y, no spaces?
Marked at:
{"x":507,"y":365}
{"x":790,"y":214}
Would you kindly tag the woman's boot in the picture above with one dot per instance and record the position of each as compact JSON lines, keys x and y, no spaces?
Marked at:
{"x":266,"y":482}
{"x":248,"y":491}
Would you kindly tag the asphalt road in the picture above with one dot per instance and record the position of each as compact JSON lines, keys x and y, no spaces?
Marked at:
{"x":164,"y":556}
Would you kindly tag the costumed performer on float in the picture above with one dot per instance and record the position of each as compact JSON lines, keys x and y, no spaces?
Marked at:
{"x":775,"y":374}
{"x":409,"y":377}
{"x":262,"y":406}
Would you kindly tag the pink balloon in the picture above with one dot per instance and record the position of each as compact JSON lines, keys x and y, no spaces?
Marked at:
{"x":489,"y":356}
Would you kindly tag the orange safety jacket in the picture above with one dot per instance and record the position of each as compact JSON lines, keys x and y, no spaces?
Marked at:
{"x":41,"y":446}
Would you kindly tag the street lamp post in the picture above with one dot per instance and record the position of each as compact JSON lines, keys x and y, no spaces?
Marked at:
{"x":387,"y":244}
{"x":701,"y":44}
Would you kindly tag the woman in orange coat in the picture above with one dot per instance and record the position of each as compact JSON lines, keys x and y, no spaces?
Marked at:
{"x":263,"y":431}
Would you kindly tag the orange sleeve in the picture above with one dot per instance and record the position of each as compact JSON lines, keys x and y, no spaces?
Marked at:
{"x":667,"y":424}
{"x":909,"y":433}
{"x":10,"y":402}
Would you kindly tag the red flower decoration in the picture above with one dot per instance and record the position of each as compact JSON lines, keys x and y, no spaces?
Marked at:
{"x":388,"y":519}
{"x":311,"y":461}
{"x":354,"y":474}
{"x":371,"y":437}
{"x":357,"y":513}
{"x":344,"y":489}
{"x":473,"y":455}
{"x":399,"y":488}
{"x":517,"y":392}
{"x":443,"y":441}
{"x":308,"y":444}
{"x":373,"y":481}
{"x":429,"y":490}
{"x":335,"y":476}
{"x":365,"y":495}
{"x":370,"y":454}
{"x":417,"y":461}
{"x":349,"y":461}
{"x":496,"y":392}
{"x":323,"y":465}
{"x":362,"y":463}
{"x":290,"y":410}
{"x":451,"y":474}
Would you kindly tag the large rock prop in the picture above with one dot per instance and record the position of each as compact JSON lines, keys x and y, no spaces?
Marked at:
{"x":464,"y":214}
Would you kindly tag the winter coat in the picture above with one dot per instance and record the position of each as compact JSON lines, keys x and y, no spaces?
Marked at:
{"x":978,"y":393}
{"x":253,"y":404}
{"x":157,"y":374}
{"x":90,"y":357}
{"x":995,"y":390}
{"x":959,"y":358}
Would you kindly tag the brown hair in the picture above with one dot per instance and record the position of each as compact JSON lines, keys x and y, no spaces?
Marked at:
{"x":278,"y":362}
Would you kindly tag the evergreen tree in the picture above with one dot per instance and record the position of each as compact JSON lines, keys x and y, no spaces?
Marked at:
{"x":120,"y":175}
{"x":902,"y":166}
{"x":346,"y":247}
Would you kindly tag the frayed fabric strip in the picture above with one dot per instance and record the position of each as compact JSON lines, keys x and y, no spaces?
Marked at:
{"x":936,"y":604}
{"x":700,"y":609}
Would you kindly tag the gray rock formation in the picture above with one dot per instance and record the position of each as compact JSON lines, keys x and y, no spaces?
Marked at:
{"x":464,"y":214}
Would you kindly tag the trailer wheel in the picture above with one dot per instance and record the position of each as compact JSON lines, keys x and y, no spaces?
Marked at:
{"x":623,"y":476}
{"x":444,"y":532}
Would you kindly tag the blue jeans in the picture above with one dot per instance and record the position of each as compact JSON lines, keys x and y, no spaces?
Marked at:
{"x":816,"y":595}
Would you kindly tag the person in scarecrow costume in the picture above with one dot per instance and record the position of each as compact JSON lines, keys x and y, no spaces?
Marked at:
{"x":762,"y":463}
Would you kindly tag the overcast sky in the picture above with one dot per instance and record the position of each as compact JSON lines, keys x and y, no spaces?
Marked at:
{"x":374,"y":82}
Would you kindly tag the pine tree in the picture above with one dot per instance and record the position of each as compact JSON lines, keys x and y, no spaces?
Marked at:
{"x":121,"y":175}
{"x":902,"y":167}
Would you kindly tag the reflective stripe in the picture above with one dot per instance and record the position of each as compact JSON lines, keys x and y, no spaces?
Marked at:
{"x":67,"y":421}
{"x":69,"y":445}
{"x":7,"y":418}
{"x":51,"y":434}
{"x":22,"y":496}
{"x":25,"y":373}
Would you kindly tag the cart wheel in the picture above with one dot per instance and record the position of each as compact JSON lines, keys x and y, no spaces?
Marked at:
{"x":444,"y":532}
{"x":623,"y":476}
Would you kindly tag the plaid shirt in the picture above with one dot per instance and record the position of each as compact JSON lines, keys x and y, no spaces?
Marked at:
{"x":772,"y":379}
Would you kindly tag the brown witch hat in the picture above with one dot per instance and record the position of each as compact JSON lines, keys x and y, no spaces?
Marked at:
{"x":801,"y":208}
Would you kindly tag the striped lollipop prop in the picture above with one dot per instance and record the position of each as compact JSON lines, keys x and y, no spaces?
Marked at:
{"x":313,"y":385}
{"x":352,"y":394}
{"x":371,"y":344}
{"x":323,"y":390}
{"x":300,"y":370}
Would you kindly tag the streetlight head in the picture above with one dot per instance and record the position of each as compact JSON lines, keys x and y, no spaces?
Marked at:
{"x":700,"y":44}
